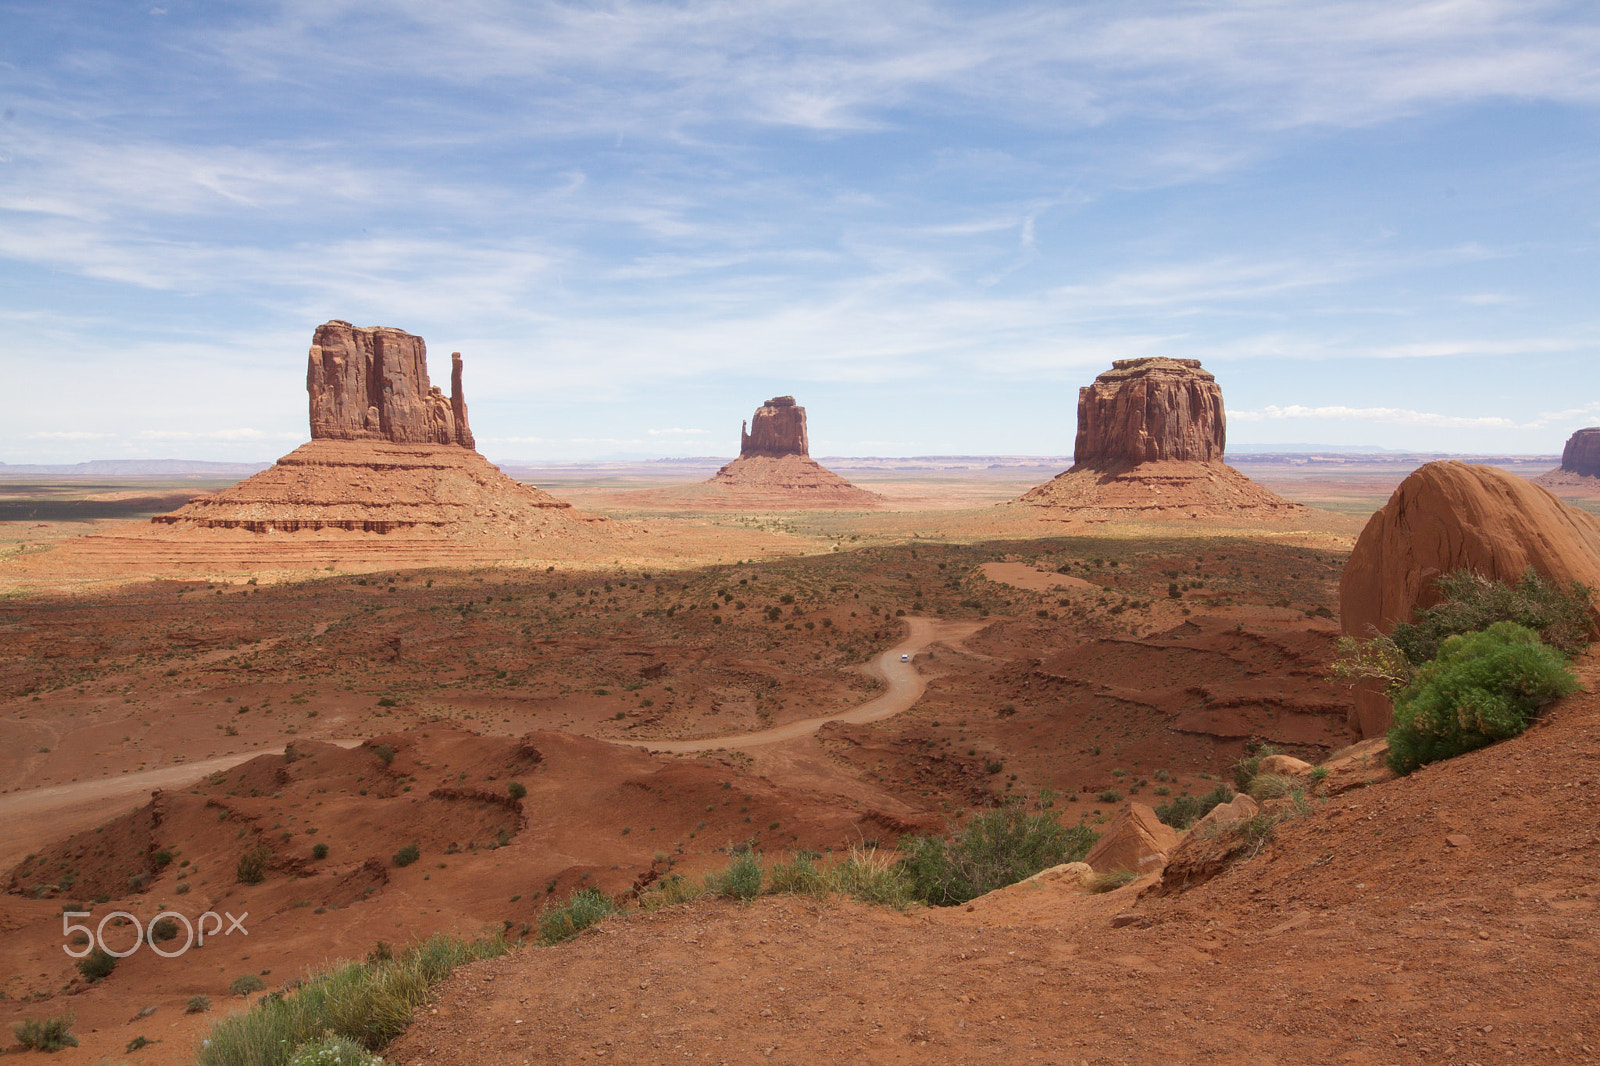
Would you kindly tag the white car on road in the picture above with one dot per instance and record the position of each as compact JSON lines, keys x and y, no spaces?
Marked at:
{"x":905,"y":658}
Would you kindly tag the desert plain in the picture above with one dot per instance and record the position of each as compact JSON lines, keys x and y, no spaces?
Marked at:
{"x":705,"y":679}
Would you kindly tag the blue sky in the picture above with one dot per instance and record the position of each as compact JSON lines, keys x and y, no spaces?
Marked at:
{"x":1376,"y":222}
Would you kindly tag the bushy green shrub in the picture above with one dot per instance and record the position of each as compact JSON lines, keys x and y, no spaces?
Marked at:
{"x":1270,"y":786}
{"x":252,"y":867}
{"x":582,"y":909}
{"x":407,"y":855}
{"x":1244,"y":771}
{"x":1183,"y":811}
{"x":245,"y":984}
{"x":1483,"y":687}
{"x":97,"y":964}
{"x":45,"y":1034}
{"x":1558,"y":614}
{"x":996,"y":848}
{"x":740,"y":879}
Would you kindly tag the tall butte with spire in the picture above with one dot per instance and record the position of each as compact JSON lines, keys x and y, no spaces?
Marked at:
{"x":775,"y":468}
{"x":389,"y":452}
{"x":1151,"y":436}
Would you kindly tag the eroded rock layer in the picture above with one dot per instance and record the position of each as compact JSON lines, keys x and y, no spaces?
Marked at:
{"x":1150,"y":410}
{"x":372,"y":384}
{"x":378,"y":487}
{"x":1451,"y":516}
{"x":763,"y":482}
{"x":1160,"y":491}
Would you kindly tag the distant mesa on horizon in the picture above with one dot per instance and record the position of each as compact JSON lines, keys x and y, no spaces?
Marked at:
{"x":1150,"y":442}
{"x":1580,"y":463}
{"x":388,"y":452}
{"x":775,"y":469}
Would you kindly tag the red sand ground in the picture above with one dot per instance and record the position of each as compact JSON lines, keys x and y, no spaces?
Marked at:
{"x":1099,"y":661}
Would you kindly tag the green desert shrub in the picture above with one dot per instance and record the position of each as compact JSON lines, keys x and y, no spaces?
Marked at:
{"x":252,"y":866}
{"x":407,"y":855}
{"x":45,"y":1034}
{"x":245,"y":984}
{"x":1270,"y":786}
{"x":1244,"y":771}
{"x":1183,"y":811}
{"x":96,"y":965}
{"x":1558,"y":614}
{"x":582,"y":909}
{"x":1483,"y":687}
{"x":365,"y":1003}
{"x":740,"y":879}
{"x":996,"y":848}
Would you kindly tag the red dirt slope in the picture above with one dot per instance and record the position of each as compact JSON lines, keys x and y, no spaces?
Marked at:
{"x":1450,"y":917}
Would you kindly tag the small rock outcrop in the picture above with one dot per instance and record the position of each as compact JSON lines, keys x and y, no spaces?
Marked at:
{"x":778,"y":428}
{"x":1135,"y":839}
{"x":1149,"y":410}
{"x":1150,"y":442}
{"x":372,"y":384}
{"x":1451,"y":516}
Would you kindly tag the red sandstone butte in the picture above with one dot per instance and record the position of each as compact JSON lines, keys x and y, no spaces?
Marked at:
{"x":1150,"y":441}
{"x":775,"y":468}
{"x":372,"y":384}
{"x":777,"y":429}
{"x":388,"y":453}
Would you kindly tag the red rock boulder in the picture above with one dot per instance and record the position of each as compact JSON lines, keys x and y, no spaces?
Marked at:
{"x":1451,"y":516}
{"x":1135,"y":839}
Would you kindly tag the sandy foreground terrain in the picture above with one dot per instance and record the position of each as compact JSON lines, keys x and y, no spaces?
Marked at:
{"x":736,"y":679}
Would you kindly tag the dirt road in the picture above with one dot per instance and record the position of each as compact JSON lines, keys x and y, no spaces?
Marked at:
{"x":905,"y":688}
{"x":41,"y":815}
{"x":36,"y":817}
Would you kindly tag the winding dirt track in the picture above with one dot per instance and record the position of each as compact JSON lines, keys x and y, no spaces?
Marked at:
{"x":38,"y":816}
{"x":905,"y":688}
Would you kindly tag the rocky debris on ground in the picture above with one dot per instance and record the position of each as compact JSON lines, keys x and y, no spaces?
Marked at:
{"x":1450,"y":516}
{"x":372,"y":384}
{"x":1135,"y":839}
{"x":778,"y":428}
{"x":1150,"y":442}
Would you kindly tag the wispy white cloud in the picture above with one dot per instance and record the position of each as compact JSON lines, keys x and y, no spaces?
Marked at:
{"x":1391,"y":415}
